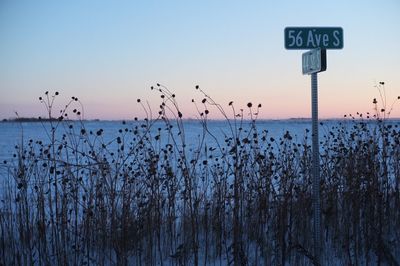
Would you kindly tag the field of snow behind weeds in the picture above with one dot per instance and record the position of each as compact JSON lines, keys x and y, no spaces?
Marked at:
{"x":149,"y":195}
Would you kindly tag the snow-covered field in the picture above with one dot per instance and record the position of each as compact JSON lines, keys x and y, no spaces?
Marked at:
{"x":143,"y":193}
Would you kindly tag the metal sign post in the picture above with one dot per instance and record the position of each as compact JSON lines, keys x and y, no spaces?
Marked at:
{"x":314,"y":61}
{"x":315,"y":170}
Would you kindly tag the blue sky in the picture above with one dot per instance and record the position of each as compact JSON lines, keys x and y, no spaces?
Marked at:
{"x":109,"y":53}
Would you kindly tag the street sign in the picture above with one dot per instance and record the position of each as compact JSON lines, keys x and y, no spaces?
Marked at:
{"x":314,"y":61}
{"x":317,"y":40}
{"x":298,"y":38}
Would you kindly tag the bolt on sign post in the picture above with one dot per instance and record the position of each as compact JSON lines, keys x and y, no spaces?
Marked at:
{"x":318,"y":39}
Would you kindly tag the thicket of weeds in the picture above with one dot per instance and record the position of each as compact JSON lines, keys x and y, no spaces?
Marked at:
{"x":149,"y":196}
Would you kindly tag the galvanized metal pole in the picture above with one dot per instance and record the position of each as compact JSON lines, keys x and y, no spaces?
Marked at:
{"x":315,"y":170}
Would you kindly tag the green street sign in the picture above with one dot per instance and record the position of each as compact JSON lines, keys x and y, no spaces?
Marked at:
{"x":299,"y":38}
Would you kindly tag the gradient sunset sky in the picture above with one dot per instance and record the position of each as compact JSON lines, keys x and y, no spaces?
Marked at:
{"x":109,"y":53}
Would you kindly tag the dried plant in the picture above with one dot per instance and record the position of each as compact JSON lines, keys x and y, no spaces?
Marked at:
{"x":148,"y":195}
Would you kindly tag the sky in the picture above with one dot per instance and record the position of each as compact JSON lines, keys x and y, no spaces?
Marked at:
{"x":109,"y":54}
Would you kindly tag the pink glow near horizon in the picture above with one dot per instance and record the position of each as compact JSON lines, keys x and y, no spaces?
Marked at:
{"x":110,"y":55}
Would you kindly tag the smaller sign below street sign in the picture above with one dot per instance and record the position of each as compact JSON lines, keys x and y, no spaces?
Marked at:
{"x":314,"y":61}
{"x":298,"y":38}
